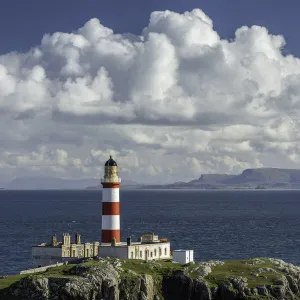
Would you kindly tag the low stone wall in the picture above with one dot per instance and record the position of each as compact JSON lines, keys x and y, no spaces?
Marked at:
{"x":41,"y":269}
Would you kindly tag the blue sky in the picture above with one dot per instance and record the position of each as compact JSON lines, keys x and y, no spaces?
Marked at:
{"x":23,"y":23}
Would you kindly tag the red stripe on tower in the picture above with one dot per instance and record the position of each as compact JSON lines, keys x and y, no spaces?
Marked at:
{"x":110,"y":203}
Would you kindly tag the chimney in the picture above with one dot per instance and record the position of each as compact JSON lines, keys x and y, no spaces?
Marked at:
{"x":77,"y":238}
{"x":54,"y":240}
{"x":66,"y":239}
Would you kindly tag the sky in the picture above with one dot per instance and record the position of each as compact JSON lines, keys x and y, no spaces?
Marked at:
{"x":172,"y":89}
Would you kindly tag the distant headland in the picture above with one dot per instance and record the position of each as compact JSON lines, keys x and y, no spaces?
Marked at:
{"x":259,"y":178}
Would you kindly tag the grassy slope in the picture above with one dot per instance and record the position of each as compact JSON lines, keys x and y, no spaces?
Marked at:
{"x":230,"y":269}
{"x":244,"y":268}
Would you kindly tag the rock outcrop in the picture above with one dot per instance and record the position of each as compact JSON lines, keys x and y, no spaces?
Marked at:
{"x":114,"y":279}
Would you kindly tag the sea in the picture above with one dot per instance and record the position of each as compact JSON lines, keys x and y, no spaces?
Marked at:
{"x":216,"y":224}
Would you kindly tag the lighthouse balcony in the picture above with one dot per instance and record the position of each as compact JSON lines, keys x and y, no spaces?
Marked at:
{"x":109,"y":179}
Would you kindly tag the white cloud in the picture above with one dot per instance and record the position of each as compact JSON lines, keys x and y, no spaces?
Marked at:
{"x":170,"y":104}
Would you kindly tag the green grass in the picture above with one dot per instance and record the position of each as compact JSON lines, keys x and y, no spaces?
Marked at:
{"x":142,"y":267}
{"x":132,"y":269}
{"x":235,"y":268}
{"x":6,"y":282}
{"x":62,"y":271}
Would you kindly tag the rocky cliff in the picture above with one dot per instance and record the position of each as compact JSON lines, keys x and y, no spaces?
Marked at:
{"x":113,"y":279}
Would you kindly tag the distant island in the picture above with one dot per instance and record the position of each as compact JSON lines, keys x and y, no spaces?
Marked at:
{"x":256,"y":179}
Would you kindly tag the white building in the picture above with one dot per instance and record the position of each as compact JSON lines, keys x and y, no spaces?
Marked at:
{"x":55,"y":252}
{"x":183,"y":256}
{"x":149,"y":247}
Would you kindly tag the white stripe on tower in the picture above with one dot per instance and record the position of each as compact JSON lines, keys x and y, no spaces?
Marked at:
{"x":110,"y":222}
{"x":110,"y":195}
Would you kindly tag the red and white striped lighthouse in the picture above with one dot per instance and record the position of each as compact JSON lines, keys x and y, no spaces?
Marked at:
{"x":110,"y":203}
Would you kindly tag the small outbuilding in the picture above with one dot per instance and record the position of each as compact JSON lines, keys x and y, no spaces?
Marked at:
{"x":183,"y":256}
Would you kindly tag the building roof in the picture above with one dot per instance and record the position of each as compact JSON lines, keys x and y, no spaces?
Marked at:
{"x":60,"y":244}
{"x":110,"y":162}
{"x":124,"y":244}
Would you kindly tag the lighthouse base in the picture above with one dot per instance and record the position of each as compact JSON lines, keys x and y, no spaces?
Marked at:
{"x":109,"y":235}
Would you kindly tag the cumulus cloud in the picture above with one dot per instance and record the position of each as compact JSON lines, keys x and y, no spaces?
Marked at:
{"x":171,"y":103}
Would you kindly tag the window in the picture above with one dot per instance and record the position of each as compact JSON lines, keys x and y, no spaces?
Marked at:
{"x":131,"y":254}
{"x":165,"y":251}
{"x":159,"y":251}
{"x":155,"y":253}
{"x":141,"y":254}
{"x":151,"y":254}
{"x":73,"y":253}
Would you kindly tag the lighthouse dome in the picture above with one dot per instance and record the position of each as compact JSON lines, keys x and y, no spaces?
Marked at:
{"x":110,"y":162}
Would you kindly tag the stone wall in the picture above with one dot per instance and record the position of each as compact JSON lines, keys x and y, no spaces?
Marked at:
{"x":41,"y":269}
{"x":115,"y":252}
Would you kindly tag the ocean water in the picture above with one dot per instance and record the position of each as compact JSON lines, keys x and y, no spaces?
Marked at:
{"x":216,"y":224}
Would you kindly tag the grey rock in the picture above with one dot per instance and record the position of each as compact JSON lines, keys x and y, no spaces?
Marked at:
{"x":147,"y":286}
{"x":293,"y":284}
{"x":226,"y":291}
{"x":204,"y":271}
{"x":254,"y":291}
{"x":240,"y":283}
{"x":262,"y":290}
{"x":202,"y":290}
{"x":143,"y":296}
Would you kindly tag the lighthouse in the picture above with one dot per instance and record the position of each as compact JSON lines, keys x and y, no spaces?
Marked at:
{"x":110,"y":203}
{"x":146,"y":247}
